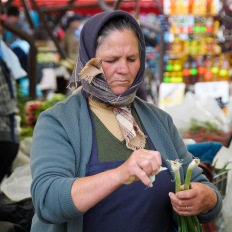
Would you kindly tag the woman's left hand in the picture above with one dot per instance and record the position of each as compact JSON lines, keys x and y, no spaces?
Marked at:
{"x":200,"y":199}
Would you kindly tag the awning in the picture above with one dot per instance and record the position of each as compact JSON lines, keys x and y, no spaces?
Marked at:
{"x":86,"y":7}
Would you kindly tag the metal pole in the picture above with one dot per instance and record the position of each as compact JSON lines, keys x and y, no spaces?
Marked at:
{"x":105,"y":7}
{"x":54,"y":39}
{"x":63,"y":11}
{"x":26,"y":9}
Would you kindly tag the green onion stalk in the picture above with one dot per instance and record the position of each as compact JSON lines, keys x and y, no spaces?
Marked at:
{"x":185,"y":223}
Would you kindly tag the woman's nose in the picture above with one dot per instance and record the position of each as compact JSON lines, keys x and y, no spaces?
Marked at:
{"x":122,"y":67}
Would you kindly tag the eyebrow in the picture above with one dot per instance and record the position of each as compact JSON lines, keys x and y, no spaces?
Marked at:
{"x":115,"y":56}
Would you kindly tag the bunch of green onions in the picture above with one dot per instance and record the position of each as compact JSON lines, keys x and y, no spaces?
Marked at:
{"x":185,"y":223}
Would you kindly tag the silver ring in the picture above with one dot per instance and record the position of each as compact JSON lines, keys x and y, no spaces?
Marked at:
{"x":186,"y":208}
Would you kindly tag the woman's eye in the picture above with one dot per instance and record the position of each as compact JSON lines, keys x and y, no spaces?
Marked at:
{"x":131,"y":60}
{"x":110,"y":61}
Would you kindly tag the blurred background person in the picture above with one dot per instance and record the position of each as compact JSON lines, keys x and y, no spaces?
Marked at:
{"x":19,"y":47}
{"x":70,"y":40}
{"x":9,"y":133}
{"x":13,"y":17}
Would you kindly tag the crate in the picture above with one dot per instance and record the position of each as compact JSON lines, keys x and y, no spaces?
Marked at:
{"x":220,"y":181}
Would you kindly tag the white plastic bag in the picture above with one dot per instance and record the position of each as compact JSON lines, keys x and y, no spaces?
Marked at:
{"x":17,"y":186}
{"x":23,"y":156}
{"x":12,"y":61}
{"x":200,"y":109}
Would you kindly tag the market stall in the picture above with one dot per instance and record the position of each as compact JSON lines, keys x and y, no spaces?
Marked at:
{"x":188,"y":63}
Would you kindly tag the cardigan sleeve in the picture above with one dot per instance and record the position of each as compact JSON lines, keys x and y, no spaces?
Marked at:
{"x":52,"y":166}
{"x":57,"y":159}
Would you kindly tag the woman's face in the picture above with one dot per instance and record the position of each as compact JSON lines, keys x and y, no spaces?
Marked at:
{"x":119,"y":53}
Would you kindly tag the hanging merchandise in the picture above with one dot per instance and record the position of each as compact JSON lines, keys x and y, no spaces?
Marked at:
{"x":194,"y":44}
{"x":194,"y":7}
{"x":224,"y":74}
{"x":201,"y":69}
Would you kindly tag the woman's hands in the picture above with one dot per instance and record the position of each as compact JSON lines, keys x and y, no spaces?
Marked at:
{"x":88,"y":191}
{"x":200,"y":199}
{"x":141,"y":164}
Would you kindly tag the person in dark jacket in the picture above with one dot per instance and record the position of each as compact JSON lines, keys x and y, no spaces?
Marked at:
{"x":9,"y":131}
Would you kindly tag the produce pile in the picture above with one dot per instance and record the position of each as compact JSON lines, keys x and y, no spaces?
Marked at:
{"x":32,"y":110}
{"x":206,"y":131}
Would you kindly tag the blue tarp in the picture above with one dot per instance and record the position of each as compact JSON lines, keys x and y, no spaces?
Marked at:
{"x":205,"y":151}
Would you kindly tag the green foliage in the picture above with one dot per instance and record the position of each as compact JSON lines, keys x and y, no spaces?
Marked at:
{"x":197,"y":126}
{"x":26,"y":132}
{"x":21,"y":101}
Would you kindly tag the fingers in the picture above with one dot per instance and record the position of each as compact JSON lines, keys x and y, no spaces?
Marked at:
{"x":150,"y":163}
{"x":149,"y":159}
{"x":141,"y":164}
{"x":143,"y":176}
{"x":185,"y":210}
{"x":181,"y":206}
{"x":200,"y":199}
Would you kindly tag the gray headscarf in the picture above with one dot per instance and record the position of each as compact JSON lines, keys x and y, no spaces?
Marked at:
{"x":98,"y":87}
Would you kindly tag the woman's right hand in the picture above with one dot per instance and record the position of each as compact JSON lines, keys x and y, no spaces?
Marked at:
{"x":141,"y":164}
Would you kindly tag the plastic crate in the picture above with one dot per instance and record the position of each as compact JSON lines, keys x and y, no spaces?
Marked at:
{"x":220,"y":180}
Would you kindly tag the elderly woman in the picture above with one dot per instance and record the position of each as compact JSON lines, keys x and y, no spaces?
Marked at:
{"x":93,"y":154}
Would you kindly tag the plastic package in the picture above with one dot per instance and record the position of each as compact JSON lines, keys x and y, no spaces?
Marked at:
{"x":17,"y":186}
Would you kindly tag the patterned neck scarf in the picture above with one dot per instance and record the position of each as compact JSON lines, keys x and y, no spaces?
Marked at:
{"x":89,"y":74}
{"x":134,"y":137}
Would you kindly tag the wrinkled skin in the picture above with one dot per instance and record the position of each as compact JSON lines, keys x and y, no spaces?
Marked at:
{"x":200,"y":199}
{"x":119,"y":53}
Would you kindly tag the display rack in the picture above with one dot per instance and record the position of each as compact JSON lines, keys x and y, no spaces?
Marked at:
{"x":194,"y":53}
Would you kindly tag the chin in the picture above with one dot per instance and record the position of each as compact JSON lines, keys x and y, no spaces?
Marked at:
{"x":119,"y":92}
